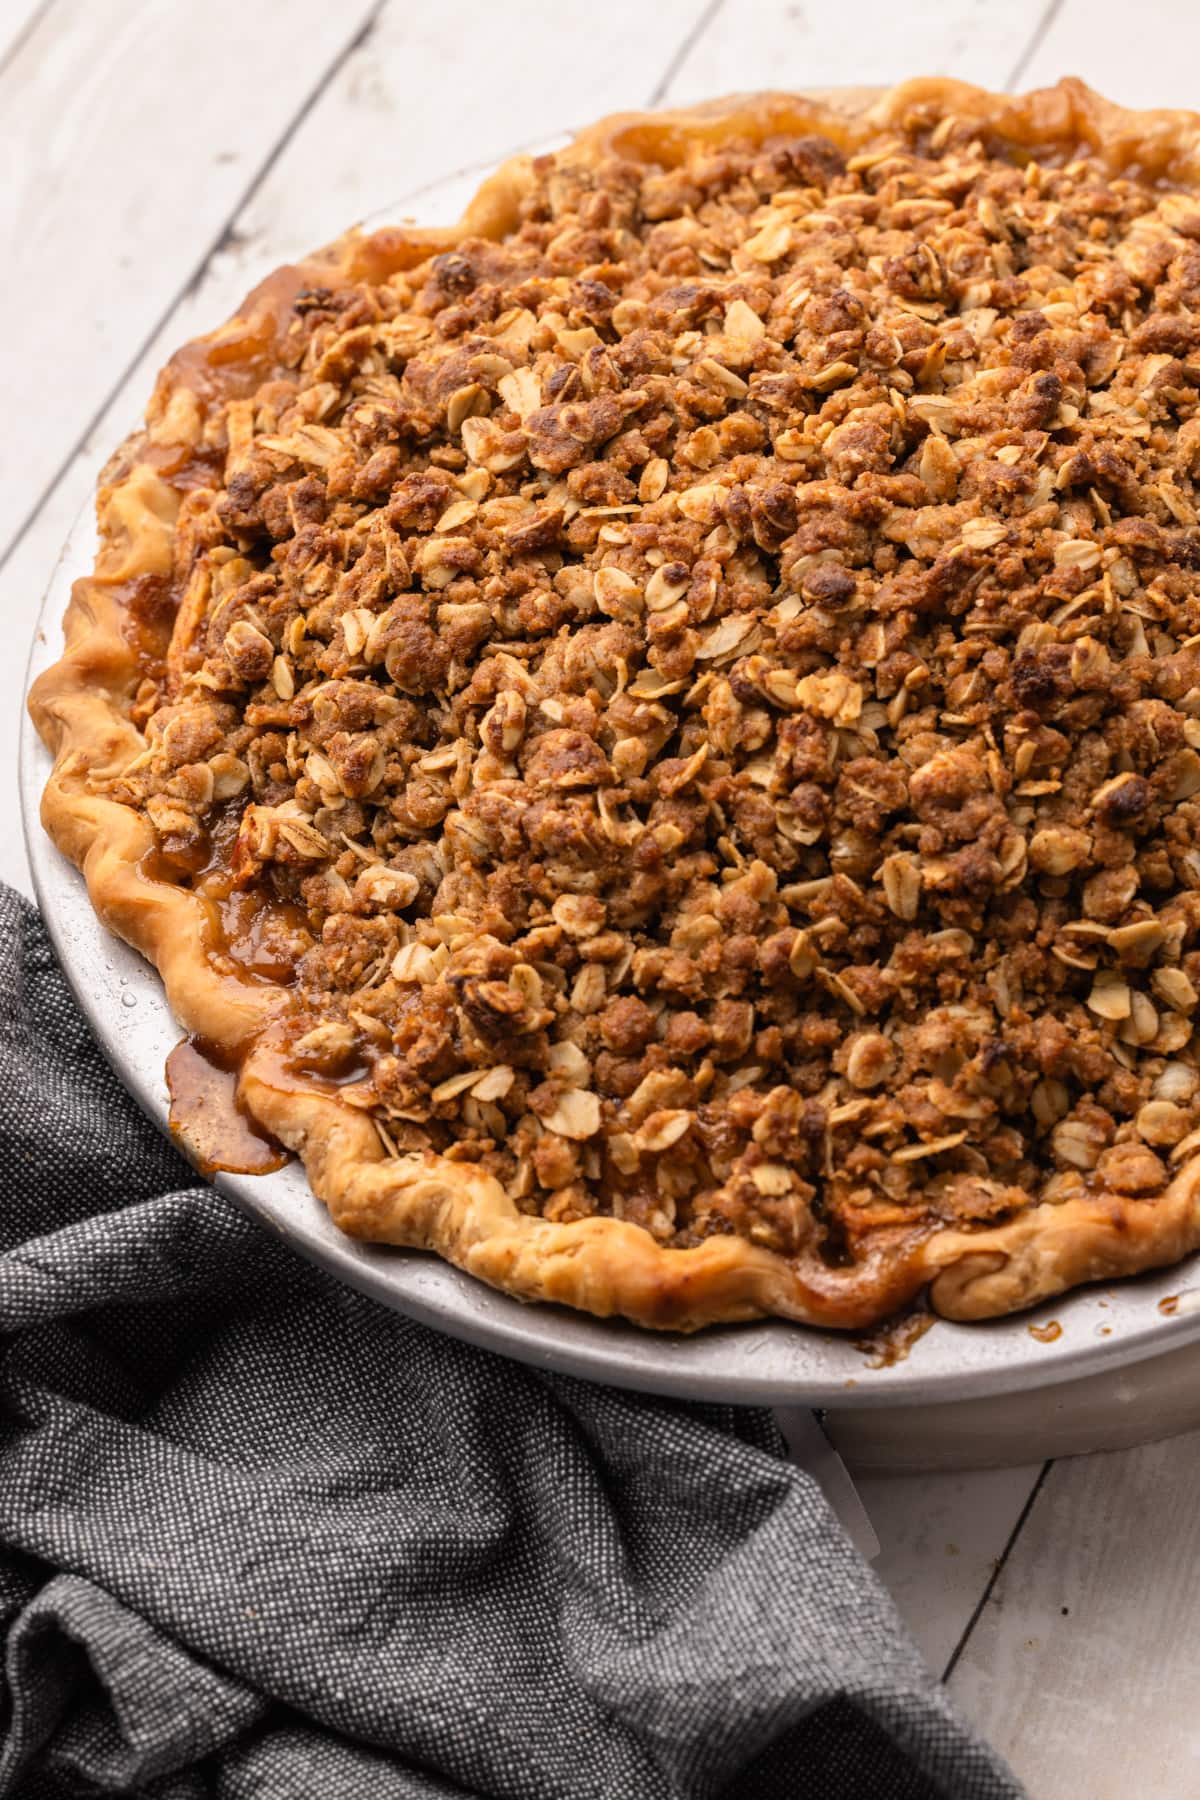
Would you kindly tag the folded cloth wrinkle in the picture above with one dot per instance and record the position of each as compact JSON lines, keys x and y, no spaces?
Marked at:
{"x":261,"y":1536}
{"x":131,"y":1700}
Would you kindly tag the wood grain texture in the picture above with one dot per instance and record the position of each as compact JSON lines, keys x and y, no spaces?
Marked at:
{"x":434,"y":91}
{"x":1083,"y":1667}
{"x":763,"y":44}
{"x":17,"y":19}
{"x":940,"y":1539}
{"x":132,"y":139}
{"x":380,"y":127}
{"x":129,"y":138}
{"x":1143,"y":56}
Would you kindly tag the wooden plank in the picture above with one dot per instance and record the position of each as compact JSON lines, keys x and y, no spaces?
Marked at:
{"x":17,"y":19}
{"x":1146,"y":58}
{"x":504,"y":93}
{"x":1084,"y":1665}
{"x":1088,"y":1625}
{"x":130,"y":135}
{"x":940,"y":1539}
{"x":763,"y":44}
{"x":376,"y":133}
{"x":433,"y":93}
{"x":958,"y":1526}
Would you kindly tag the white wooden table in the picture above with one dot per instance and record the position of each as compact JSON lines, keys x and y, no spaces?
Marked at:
{"x":160,"y":156}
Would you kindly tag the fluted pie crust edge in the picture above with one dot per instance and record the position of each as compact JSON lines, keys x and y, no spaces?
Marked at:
{"x":601,"y":1265}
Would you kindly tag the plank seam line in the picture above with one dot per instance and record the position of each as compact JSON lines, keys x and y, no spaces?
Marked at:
{"x":997,"y":1571}
{"x":1037,"y":39}
{"x":685,"y":49}
{"x":23,"y":36}
{"x":197,"y":275}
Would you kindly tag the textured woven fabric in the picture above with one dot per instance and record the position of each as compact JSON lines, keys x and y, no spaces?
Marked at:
{"x":260,"y":1536}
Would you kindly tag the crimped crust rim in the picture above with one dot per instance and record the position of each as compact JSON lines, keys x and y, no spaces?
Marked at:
{"x":601,"y":1265}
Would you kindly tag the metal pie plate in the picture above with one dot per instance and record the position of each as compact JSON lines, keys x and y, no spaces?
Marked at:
{"x":768,"y":1363}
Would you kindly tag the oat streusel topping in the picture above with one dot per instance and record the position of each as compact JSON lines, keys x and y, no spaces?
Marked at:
{"x":711,"y":687}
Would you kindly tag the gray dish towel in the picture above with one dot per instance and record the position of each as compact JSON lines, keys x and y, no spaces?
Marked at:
{"x":261,"y":1537}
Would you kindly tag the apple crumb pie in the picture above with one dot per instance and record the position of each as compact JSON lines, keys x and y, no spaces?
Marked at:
{"x":660,"y":726}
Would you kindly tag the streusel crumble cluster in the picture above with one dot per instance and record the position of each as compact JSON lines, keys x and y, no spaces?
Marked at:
{"x":705,"y":694}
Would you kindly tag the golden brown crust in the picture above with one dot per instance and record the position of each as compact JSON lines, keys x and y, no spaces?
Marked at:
{"x":603,"y":1265}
